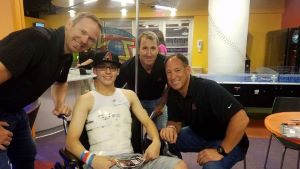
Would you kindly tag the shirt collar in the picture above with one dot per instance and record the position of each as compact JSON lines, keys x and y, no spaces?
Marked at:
{"x":61,"y":39}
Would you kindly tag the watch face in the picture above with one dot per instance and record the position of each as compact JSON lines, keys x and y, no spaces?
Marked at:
{"x":221,"y":150}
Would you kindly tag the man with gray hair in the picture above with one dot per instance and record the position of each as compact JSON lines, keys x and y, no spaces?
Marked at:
{"x":31,"y":60}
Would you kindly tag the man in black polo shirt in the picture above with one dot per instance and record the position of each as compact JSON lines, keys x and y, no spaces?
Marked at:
{"x":31,"y":60}
{"x":203,"y":118}
{"x":152,"y":79}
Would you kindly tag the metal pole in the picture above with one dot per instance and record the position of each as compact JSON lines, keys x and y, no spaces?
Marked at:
{"x":137,"y":12}
{"x":137,"y":9}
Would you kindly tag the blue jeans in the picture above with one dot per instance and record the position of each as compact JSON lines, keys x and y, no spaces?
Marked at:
{"x":22,"y":150}
{"x":160,"y":121}
{"x":189,"y":141}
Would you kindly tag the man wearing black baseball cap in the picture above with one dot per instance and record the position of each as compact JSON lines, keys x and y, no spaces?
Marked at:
{"x":106,"y":114}
{"x":106,"y":57}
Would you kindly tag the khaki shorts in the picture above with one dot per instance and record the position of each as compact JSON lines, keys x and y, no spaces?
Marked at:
{"x":164,"y":162}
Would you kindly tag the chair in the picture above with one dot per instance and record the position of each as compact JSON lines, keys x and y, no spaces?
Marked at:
{"x":31,"y":111}
{"x":284,"y":104}
{"x":138,"y":142}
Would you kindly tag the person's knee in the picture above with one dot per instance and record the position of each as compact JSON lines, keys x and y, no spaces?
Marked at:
{"x":180,"y":165}
{"x":213,"y":165}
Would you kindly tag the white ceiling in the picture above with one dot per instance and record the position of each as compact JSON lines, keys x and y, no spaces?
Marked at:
{"x":181,"y":5}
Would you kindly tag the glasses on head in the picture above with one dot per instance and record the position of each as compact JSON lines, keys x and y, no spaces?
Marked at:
{"x":104,"y":67}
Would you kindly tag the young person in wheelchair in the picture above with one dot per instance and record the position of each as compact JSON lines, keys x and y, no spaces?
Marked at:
{"x":106,"y":115}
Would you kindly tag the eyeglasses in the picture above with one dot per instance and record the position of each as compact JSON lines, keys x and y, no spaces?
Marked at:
{"x":104,"y":67}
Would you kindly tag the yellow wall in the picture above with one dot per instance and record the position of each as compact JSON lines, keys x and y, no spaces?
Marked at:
{"x":11,"y":16}
{"x":200,"y":59}
{"x":259,"y":24}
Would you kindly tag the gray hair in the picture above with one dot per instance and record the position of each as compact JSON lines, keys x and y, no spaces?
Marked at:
{"x":149,"y":35}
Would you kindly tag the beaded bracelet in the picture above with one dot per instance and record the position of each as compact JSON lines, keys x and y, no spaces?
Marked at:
{"x":87,"y":157}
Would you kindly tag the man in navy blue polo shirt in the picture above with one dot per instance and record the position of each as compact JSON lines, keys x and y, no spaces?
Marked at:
{"x":31,"y":60}
{"x":203,"y":117}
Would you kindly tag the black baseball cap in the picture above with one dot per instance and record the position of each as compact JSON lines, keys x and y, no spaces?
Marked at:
{"x":102,"y":57}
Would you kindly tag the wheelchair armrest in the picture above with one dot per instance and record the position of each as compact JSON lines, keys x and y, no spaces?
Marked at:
{"x":69,"y":158}
{"x":166,"y":151}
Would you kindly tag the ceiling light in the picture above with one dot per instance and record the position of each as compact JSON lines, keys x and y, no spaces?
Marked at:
{"x":165,"y":8}
{"x":89,"y":1}
{"x":72,"y":13}
{"x":125,"y":1}
{"x":124,"y":12}
{"x":71,"y":2}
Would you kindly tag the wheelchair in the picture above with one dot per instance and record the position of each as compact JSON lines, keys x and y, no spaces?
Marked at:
{"x":139,"y":142}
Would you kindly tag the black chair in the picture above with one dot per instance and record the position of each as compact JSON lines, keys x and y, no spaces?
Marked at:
{"x":139,"y":143}
{"x":31,"y":111}
{"x":284,"y":104}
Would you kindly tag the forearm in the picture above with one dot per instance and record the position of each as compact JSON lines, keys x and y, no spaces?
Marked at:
{"x":152,"y":131}
{"x":59,"y":92}
{"x":235,"y":130}
{"x":87,"y":62}
{"x":4,"y":74}
{"x":74,"y":146}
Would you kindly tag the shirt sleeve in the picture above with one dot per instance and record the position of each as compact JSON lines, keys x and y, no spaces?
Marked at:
{"x":21,"y":49}
{"x":222,"y":102}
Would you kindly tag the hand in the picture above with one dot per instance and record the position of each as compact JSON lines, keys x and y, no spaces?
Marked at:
{"x":5,"y":135}
{"x":152,"y":152}
{"x":169,"y":134}
{"x":62,"y":109}
{"x":78,"y":65}
{"x":207,"y":155}
{"x":102,"y":162}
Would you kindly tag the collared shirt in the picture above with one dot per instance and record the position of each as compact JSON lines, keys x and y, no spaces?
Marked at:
{"x":35,"y":58}
{"x":150,"y":86}
{"x":207,"y":108}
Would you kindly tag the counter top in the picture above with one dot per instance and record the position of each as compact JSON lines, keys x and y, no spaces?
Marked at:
{"x":74,"y":75}
{"x":254,"y":79}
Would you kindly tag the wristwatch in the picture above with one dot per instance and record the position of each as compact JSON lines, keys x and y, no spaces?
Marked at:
{"x":221,"y":150}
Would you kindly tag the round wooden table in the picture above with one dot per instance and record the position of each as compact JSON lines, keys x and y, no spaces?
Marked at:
{"x":273,"y":122}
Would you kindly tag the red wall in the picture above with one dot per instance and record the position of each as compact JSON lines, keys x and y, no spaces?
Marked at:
{"x":291,"y":15}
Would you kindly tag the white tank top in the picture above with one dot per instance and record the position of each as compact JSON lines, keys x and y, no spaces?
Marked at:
{"x":109,"y":124}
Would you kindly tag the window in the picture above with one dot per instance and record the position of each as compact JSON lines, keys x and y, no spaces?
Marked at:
{"x":177,"y":32}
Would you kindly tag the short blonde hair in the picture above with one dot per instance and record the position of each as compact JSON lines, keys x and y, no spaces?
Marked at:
{"x":82,"y":15}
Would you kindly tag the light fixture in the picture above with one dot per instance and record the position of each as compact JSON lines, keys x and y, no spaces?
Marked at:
{"x":124,"y":12}
{"x":172,"y":10}
{"x":165,"y":8}
{"x":71,"y":2}
{"x":72,"y":13}
{"x":89,"y":1}
{"x":124,"y":2}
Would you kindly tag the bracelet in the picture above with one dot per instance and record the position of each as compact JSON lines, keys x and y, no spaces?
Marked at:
{"x":172,"y":126}
{"x":87,"y":157}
